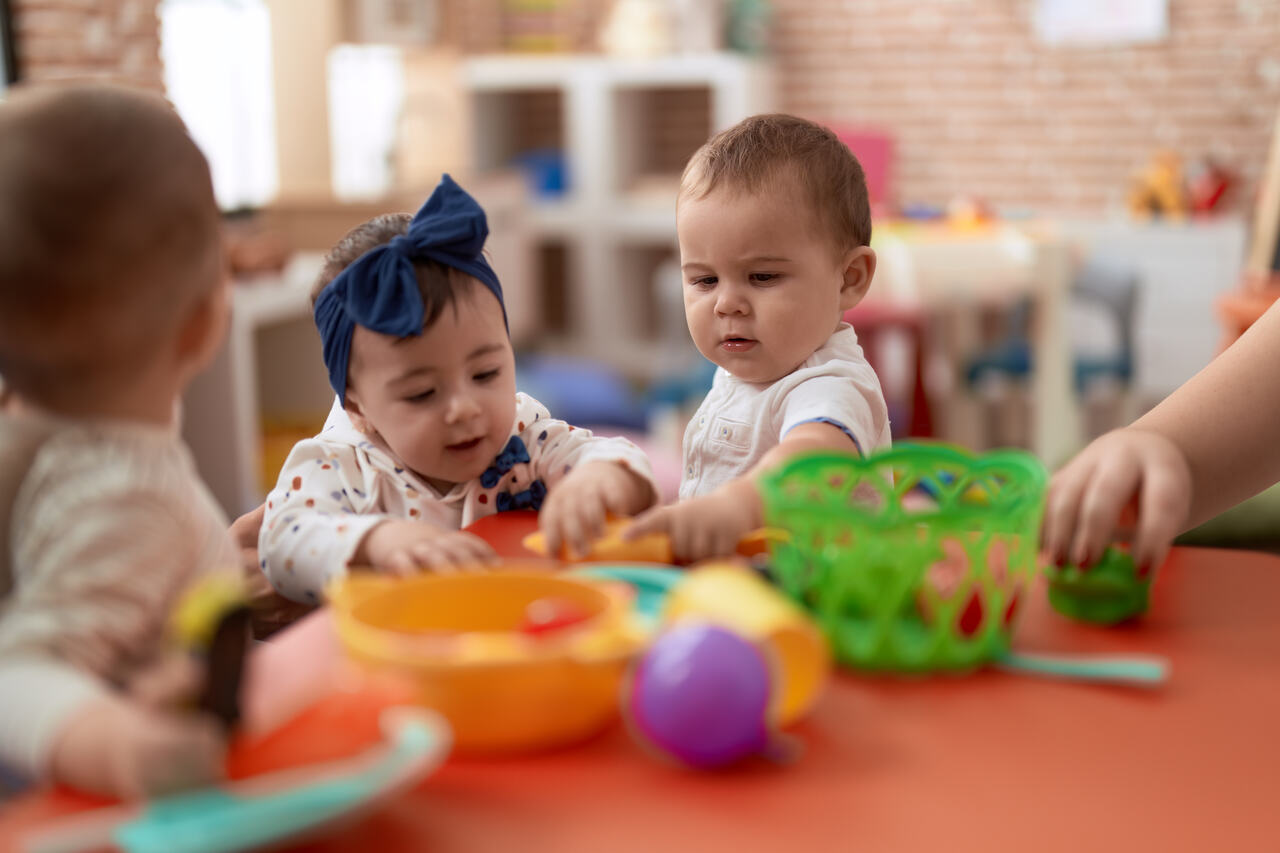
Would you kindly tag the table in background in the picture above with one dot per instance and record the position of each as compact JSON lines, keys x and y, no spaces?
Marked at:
{"x":933,"y":267}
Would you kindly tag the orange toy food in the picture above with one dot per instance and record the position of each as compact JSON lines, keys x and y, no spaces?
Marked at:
{"x":652,"y":548}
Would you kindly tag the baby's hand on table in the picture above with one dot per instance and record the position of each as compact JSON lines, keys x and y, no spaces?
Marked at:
{"x":405,"y":547}
{"x":1092,"y":499}
{"x":706,"y":526}
{"x":118,"y":746}
{"x":574,"y":512}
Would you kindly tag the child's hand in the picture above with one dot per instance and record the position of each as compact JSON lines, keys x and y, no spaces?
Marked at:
{"x":574,"y":512}
{"x":405,"y":547}
{"x":1122,"y":470}
{"x":118,"y":746}
{"x":706,"y":526}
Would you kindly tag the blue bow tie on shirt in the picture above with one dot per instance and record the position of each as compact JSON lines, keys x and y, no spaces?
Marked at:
{"x":530,"y":498}
{"x":380,"y":289}
{"x":513,"y":454}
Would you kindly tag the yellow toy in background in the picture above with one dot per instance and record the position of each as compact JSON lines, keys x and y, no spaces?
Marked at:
{"x":1159,"y":190}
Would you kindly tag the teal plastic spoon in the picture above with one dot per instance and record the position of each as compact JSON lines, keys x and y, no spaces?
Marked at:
{"x":1129,"y":670}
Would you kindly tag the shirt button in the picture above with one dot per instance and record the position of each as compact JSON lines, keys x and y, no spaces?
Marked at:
{"x":702,"y":421}
{"x":689,"y":470}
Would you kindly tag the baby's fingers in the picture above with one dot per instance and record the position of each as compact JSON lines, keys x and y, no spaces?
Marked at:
{"x":1108,"y":492}
{"x":582,"y":526}
{"x":401,"y":563}
{"x":1062,"y":509}
{"x":656,"y":520}
{"x":475,"y":550}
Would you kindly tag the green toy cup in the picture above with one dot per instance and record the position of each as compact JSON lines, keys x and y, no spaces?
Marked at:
{"x":914,"y":559}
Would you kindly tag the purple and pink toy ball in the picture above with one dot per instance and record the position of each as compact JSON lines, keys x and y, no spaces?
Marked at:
{"x":701,"y":695}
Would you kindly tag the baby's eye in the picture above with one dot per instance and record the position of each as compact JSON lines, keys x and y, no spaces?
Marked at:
{"x":764,"y":277}
{"x":421,"y":396}
{"x":487,"y":376}
{"x":704,"y":282}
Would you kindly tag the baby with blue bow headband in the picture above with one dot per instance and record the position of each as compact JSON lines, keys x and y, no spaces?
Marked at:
{"x":428,"y":432}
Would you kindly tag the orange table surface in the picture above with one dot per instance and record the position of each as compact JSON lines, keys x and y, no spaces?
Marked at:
{"x":990,"y":761}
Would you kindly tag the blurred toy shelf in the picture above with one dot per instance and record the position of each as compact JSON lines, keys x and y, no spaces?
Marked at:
{"x":608,"y":185}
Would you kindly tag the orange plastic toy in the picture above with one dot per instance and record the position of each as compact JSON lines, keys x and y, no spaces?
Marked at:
{"x":462,"y":642}
{"x":653,"y":548}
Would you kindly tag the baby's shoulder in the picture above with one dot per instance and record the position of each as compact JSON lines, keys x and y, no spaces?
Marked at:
{"x":78,"y":468}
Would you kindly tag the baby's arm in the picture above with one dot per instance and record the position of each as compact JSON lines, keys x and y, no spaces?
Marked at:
{"x":587,"y":478}
{"x":1208,"y":446}
{"x":324,"y":516}
{"x":711,"y":525}
{"x":98,"y":566}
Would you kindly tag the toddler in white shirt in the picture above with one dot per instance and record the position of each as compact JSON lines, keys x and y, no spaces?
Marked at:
{"x":774,"y":227}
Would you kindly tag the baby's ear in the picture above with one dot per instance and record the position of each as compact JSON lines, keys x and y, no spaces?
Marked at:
{"x":859,"y":269}
{"x":351,"y":405}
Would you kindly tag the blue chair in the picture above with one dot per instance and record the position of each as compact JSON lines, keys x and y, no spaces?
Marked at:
{"x":1113,"y":288}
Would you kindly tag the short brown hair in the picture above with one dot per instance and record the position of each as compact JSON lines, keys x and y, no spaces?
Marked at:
{"x":764,"y":148}
{"x":109,"y":233}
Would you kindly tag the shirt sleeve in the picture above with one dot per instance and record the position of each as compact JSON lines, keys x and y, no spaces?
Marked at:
{"x":320,"y":510}
{"x":556,"y":448}
{"x":847,"y":400}
{"x":99,"y":562}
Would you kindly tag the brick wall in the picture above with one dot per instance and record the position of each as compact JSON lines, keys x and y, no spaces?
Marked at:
{"x":978,"y":106}
{"x":116,"y":40}
{"x":975,"y":104}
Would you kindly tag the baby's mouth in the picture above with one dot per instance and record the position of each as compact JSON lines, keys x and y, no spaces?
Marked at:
{"x":738,"y":344}
{"x":469,"y":444}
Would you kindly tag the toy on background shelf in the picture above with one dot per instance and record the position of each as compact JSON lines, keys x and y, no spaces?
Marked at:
{"x":638,"y":28}
{"x":748,"y":26}
{"x":1209,"y":185}
{"x":1158,"y":190}
{"x":967,"y":213}
{"x":1112,"y":591}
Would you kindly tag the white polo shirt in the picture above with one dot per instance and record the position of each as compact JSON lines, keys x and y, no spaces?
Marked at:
{"x":739,"y":422}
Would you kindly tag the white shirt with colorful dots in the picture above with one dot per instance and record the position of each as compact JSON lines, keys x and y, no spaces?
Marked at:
{"x":337,"y":486}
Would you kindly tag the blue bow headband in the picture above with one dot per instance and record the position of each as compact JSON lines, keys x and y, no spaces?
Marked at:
{"x":380,"y":290}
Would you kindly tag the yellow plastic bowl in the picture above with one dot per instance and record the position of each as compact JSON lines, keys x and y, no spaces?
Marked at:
{"x":458,"y":639}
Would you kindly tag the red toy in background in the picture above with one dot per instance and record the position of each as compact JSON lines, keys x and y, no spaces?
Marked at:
{"x":1209,"y":187}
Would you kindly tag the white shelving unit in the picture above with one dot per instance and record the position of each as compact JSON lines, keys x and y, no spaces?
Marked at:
{"x":600,"y":219}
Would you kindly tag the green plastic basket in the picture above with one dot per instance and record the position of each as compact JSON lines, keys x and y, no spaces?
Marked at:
{"x":914,"y":559}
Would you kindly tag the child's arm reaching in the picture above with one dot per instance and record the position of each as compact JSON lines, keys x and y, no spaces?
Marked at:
{"x":712,"y":525}
{"x":401,"y":547}
{"x":328,"y":512}
{"x":1208,"y":446}
{"x":575,"y":511}
{"x":586,"y":476}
